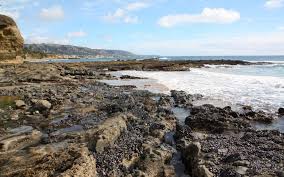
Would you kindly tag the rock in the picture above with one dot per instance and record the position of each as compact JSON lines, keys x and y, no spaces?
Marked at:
{"x":198,"y":136}
{"x":243,"y":163}
{"x":84,"y":166}
{"x":223,"y":151}
{"x":214,"y":120}
{"x":204,"y":172}
{"x":12,"y":42}
{"x":41,"y":105}
{"x":229,"y":172}
{"x":20,"y":104}
{"x":128,"y":163}
{"x":232,"y":158}
{"x":182,"y":99}
{"x":21,"y":130}
{"x":62,"y":160}
{"x":166,"y":102}
{"x":281,"y":111}
{"x":21,"y":138}
{"x":280,"y":173}
{"x":108,"y":132}
{"x":153,"y":162}
{"x":150,"y":105}
{"x":241,"y":170}
{"x":169,"y":171}
{"x":129,"y":77}
{"x":14,"y":116}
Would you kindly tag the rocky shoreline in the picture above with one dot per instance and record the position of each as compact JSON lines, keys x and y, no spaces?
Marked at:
{"x":60,"y":120}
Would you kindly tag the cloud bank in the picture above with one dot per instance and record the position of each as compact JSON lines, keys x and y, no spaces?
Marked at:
{"x":208,"y":15}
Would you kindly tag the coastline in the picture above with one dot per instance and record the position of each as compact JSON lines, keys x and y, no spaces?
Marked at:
{"x":66,"y":110}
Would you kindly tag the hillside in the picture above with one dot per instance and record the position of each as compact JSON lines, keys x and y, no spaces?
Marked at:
{"x":73,"y":50}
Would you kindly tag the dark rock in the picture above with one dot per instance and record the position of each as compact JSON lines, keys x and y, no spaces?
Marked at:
{"x":232,"y":158}
{"x":281,"y":111}
{"x":182,"y":99}
{"x":213,"y":119}
{"x":129,"y":77}
{"x":229,"y":173}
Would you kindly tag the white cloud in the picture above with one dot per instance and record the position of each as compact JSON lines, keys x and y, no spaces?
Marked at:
{"x":208,"y":15}
{"x":13,"y":8}
{"x":130,"y":19}
{"x":76,"y":34}
{"x":281,"y":28}
{"x":136,"y":6}
{"x":53,"y":13}
{"x":121,"y":15}
{"x":272,"y":4}
{"x":124,"y":14}
{"x":45,"y":39}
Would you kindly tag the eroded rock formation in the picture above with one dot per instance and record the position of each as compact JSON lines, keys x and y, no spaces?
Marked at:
{"x":11,"y":41}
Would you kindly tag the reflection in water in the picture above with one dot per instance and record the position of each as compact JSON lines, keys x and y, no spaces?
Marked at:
{"x":181,"y":114}
{"x":141,"y":84}
{"x":276,"y":125}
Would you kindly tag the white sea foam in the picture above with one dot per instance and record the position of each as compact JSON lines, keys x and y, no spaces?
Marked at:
{"x":262,"y":92}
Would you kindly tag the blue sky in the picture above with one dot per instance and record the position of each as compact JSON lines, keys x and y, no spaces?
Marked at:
{"x":165,"y":27}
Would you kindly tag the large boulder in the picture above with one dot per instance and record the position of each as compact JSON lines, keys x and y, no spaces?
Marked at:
{"x":11,"y":41}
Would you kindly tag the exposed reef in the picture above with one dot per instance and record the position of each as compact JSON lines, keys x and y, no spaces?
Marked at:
{"x":60,"y":120}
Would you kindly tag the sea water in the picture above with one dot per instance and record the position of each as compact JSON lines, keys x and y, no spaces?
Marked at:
{"x":260,"y":86}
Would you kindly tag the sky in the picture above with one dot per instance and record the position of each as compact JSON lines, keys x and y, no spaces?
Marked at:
{"x":158,"y":27}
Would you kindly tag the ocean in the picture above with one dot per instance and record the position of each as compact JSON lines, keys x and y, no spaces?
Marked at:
{"x":141,"y":57}
{"x":260,"y":86}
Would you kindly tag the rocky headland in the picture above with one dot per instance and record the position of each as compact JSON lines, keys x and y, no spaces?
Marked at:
{"x":11,"y":41}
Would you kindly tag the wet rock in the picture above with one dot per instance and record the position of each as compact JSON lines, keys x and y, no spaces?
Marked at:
{"x":215,"y":120}
{"x":192,"y":157}
{"x":182,"y":99}
{"x":281,"y":111}
{"x":182,"y":131}
{"x":191,"y":154}
{"x":129,"y":77}
{"x":166,"y":102}
{"x":21,"y":130}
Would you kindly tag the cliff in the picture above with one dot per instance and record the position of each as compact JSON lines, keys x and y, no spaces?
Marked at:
{"x":74,"y":50}
{"x":11,"y":41}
